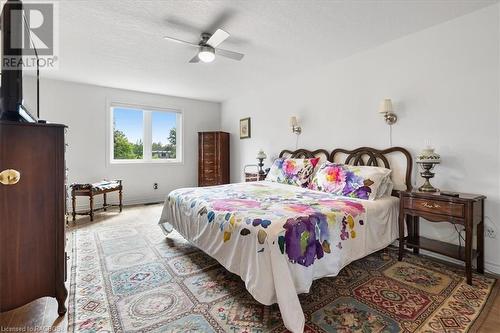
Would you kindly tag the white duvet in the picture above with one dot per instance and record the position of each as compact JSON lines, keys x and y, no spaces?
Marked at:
{"x":279,"y":238}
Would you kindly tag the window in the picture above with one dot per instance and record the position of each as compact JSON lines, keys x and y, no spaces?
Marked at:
{"x":164,"y":134}
{"x":145,"y":135}
{"x":128,"y":125}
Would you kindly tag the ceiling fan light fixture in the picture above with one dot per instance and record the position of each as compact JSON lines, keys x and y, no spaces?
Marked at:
{"x":206,"y":54}
{"x":207,"y":46}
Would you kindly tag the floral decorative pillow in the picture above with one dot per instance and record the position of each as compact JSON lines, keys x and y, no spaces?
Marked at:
{"x":362,"y":182}
{"x":293,"y":171}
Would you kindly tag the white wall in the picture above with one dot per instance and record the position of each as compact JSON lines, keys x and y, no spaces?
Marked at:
{"x":83,"y":108}
{"x":445,"y":84}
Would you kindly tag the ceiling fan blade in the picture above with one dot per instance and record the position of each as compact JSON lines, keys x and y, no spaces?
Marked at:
{"x":180,"y":41}
{"x":229,"y":54}
{"x":218,"y":37}
{"x":195,"y":59}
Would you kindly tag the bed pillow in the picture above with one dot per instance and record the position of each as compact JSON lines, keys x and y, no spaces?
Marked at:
{"x":385,"y":189}
{"x":361,"y":182}
{"x":293,"y":171}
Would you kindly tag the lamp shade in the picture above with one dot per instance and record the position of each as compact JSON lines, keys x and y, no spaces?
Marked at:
{"x":385,"y":106}
{"x":261,"y":155}
{"x":428,"y":155}
{"x":294,"y":122}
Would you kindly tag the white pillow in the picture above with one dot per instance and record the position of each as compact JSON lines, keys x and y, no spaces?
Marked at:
{"x":385,"y":188}
{"x":293,"y":171}
{"x":361,"y":182}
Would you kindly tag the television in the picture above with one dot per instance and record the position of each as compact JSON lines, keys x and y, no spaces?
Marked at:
{"x":12,"y":105}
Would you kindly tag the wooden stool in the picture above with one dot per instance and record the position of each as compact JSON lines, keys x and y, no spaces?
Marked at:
{"x":91,"y":190}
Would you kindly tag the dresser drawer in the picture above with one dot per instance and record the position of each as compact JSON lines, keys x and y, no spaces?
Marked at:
{"x":435,"y":207}
{"x":208,"y":155}
{"x":209,"y":146}
{"x":209,"y":182}
{"x":209,"y":169}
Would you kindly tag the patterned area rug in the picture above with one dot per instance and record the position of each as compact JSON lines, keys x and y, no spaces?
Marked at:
{"x":131,"y":278}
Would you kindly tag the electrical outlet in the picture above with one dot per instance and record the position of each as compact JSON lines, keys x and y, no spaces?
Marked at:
{"x":490,"y":232}
{"x":155,"y":186}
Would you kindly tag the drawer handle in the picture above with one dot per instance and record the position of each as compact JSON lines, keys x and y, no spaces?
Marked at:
{"x":428,"y":205}
{"x":9,"y":177}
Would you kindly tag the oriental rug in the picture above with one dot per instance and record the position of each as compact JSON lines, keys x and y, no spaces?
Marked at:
{"x":129,"y":277}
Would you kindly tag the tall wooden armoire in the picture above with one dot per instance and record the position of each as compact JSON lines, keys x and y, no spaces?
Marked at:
{"x":32,"y":209}
{"x":213,"y":158}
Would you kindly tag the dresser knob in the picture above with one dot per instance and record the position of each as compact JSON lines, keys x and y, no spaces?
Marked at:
{"x":9,"y":177}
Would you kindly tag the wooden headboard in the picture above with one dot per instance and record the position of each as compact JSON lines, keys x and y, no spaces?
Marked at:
{"x":304,"y":153}
{"x":366,"y":156}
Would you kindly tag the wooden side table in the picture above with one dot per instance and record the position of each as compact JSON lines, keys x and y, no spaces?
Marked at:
{"x":466,"y":210}
{"x":253,"y":177}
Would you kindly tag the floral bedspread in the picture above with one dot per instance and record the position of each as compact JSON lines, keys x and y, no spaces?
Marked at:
{"x":278,"y":237}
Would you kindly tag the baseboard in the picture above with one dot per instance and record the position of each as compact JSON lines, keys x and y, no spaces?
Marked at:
{"x":142,"y":201}
{"x":492,"y":267}
{"x":83,"y":205}
{"x":488,"y":266}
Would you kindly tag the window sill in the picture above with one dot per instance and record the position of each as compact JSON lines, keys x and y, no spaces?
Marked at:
{"x":141,"y":162}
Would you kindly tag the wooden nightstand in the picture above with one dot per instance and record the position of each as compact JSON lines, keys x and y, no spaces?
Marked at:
{"x":253,"y":176}
{"x":466,"y":210}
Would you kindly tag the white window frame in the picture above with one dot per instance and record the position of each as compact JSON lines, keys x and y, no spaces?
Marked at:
{"x":147,"y":134}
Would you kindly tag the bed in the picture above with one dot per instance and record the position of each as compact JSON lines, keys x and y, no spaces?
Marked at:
{"x":279,"y":238}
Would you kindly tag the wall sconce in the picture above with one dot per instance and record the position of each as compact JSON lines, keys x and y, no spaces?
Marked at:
{"x":294,"y":124}
{"x":387,"y":110}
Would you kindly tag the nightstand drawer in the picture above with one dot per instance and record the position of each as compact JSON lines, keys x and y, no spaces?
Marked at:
{"x":435,"y":207}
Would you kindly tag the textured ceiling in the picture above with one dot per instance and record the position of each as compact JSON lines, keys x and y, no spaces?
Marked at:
{"x":118,"y":43}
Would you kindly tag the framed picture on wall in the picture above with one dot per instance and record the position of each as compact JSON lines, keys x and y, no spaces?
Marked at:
{"x":245,"y":128}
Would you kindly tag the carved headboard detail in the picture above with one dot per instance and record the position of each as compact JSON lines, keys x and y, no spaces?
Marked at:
{"x":374,"y":157}
{"x":304,"y":153}
{"x":364,"y":156}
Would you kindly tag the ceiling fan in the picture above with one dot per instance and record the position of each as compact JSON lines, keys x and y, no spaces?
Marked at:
{"x":207,"y":47}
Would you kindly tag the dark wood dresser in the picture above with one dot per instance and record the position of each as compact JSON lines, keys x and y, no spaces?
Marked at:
{"x":32,"y":223}
{"x":213,"y":158}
